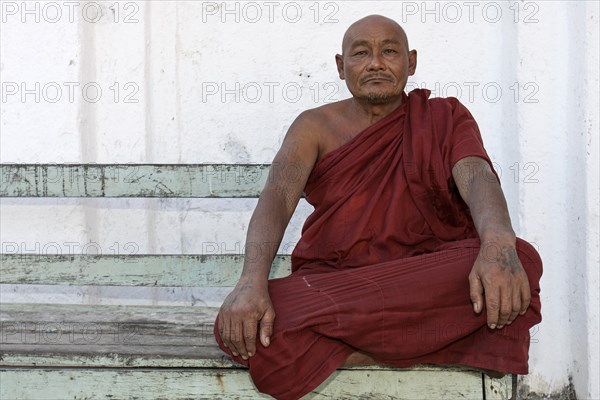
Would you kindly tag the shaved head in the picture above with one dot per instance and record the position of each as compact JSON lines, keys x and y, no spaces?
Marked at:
{"x":356,"y":29}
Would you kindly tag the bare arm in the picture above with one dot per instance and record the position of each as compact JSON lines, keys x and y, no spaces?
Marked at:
{"x":497,"y":274}
{"x":278,"y":200}
{"x":248,"y":306}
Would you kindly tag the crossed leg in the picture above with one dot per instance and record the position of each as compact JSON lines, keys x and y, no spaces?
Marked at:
{"x":400,"y":313}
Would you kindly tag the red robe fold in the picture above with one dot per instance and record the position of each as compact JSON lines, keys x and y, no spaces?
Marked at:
{"x":383,"y":261}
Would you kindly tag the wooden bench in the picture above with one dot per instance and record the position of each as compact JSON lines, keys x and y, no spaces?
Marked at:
{"x":58,"y":351}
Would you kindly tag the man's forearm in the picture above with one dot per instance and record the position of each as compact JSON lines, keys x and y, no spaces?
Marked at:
{"x":489,"y":210}
{"x":265,"y":231}
{"x":481,"y":191}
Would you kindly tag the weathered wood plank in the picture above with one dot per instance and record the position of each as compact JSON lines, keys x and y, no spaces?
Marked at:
{"x":129,"y":270}
{"x":132,"y":180}
{"x":124,"y":331}
{"x":229,"y":384}
{"x":10,"y":359}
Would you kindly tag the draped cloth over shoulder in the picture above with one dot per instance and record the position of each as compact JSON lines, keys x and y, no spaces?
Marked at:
{"x":383,"y":261}
{"x":389,"y":192}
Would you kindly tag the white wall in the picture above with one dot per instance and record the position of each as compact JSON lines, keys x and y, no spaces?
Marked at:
{"x":527,"y":70}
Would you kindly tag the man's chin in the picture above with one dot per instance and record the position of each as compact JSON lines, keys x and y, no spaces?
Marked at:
{"x":377,"y":97}
{"x":380,"y":98}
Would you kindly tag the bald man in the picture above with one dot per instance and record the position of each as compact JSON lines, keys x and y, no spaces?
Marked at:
{"x":409,"y":256}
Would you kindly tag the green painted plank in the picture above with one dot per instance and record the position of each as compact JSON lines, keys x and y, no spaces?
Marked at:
{"x":229,"y":384}
{"x":129,"y":270}
{"x":132,"y":180}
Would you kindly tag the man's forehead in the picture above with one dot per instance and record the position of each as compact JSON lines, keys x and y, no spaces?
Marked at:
{"x":374,"y":27}
{"x":365,"y":42}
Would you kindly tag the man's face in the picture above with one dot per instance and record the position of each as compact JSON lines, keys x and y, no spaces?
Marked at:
{"x":376,"y":62}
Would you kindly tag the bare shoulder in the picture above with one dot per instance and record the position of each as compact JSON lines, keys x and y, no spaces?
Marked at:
{"x":303,"y":140}
{"x":323,"y":116}
{"x":320,"y":127}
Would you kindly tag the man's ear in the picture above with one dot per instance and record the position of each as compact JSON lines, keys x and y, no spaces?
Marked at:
{"x":412,"y":62}
{"x":339,"y":60}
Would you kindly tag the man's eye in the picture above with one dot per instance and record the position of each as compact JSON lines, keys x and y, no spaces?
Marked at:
{"x":390,"y":51}
{"x":360,"y":53}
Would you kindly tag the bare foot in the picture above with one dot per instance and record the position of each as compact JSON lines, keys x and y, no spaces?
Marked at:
{"x":359,"y":359}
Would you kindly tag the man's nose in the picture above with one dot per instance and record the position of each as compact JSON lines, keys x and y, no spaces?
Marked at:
{"x":376,"y":63}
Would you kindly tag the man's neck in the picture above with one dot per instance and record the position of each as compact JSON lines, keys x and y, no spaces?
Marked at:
{"x":374,"y":112}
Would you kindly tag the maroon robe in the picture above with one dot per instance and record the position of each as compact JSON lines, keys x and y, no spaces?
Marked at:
{"x":383,"y":262}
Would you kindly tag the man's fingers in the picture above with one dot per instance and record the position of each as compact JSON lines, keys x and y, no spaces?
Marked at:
{"x":492,"y":304}
{"x":239,"y":317}
{"x":506,"y":304}
{"x":476,"y":293}
{"x":250,"y":327}
{"x":516,"y":306}
{"x":226,"y":335}
{"x":525,"y":296}
{"x":237,"y":341}
{"x":266,"y":327}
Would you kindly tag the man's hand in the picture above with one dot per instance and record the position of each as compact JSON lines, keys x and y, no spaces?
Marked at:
{"x":245,"y":309}
{"x":499,"y":276}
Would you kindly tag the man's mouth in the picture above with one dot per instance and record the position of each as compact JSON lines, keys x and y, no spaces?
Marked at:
{"x":376,"y":79}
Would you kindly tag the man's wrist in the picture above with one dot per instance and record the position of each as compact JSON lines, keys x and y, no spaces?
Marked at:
{"x":254,"y":280}
{"x":497,"y":245}
{"x":504,"y":237}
